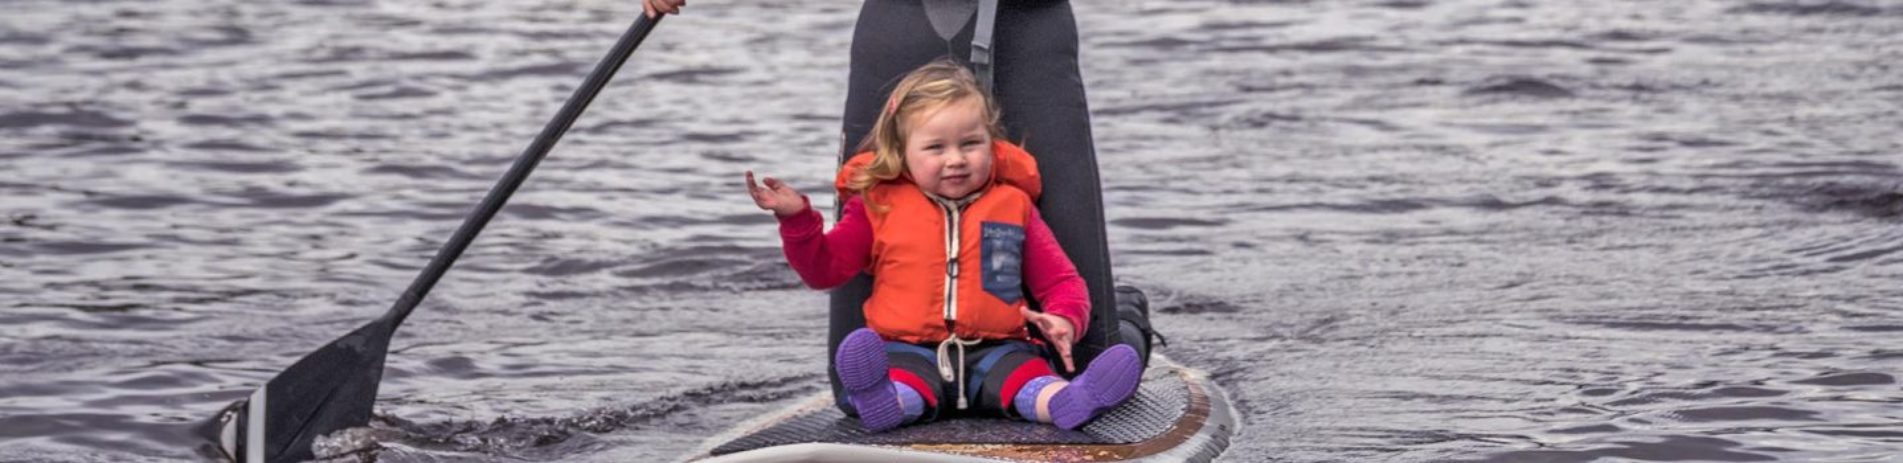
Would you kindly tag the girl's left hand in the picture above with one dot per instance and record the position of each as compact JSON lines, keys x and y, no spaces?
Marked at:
{"x":1059,"y":331}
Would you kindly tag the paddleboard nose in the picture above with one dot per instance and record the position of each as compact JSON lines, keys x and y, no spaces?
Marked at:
{"x":222,"y":434}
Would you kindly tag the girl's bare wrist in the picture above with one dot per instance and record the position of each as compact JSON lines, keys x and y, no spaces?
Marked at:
{"x":792,"y":211}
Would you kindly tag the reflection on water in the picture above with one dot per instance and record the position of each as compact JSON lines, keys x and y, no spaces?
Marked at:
{"x":1472,"y":230}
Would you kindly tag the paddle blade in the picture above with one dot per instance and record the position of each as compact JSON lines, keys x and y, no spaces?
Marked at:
{"x":331,"y":389}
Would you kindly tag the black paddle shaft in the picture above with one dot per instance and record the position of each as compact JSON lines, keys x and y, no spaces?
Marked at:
{"x":335,"y":386}
{"x":498,"y":195}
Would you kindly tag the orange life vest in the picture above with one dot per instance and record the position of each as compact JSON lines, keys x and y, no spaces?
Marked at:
{"x":919,"y":294}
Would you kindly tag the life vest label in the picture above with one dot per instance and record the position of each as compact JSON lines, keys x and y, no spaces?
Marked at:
{"x":1003,"y":253}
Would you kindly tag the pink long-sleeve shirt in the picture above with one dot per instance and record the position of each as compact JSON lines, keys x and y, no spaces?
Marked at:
{"x":826,"y":260}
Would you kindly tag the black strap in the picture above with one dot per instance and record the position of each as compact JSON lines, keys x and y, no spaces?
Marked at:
{"x":981,"y":43}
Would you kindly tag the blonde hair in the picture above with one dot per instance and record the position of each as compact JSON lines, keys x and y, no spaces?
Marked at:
{"x":930,"y":87}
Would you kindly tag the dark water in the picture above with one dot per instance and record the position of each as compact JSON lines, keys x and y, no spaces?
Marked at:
{"x":1398,"y":230}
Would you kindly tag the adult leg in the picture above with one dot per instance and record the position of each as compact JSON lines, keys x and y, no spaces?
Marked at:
{"x":892,"y":38}
{"x":1041,"y":93}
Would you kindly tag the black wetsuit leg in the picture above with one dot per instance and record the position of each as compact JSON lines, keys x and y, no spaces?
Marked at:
{"x":1041,"y":93}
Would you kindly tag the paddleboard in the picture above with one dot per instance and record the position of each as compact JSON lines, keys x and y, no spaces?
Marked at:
{"x":1177,"y":414}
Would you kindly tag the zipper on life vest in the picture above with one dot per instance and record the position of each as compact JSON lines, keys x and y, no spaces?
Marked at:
{"x":952,"y":228}
{"x":951,"y":265}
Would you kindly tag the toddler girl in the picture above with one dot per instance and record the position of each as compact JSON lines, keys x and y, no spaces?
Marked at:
{"x":940,"y":211}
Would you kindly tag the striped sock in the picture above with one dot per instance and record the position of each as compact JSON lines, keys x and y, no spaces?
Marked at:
{"x":910,"y":401}
{"x":1037,"y":391}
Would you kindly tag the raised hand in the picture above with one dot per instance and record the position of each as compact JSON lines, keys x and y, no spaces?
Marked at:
{"x":1056,"y":328}
{"x":776,"y":196}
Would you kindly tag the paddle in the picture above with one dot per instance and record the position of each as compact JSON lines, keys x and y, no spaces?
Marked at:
{"x":334,"y":387}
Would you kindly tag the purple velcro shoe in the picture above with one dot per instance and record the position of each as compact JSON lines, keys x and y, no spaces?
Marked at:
{"x":862,"y":371}
{"x":1109,"y":380}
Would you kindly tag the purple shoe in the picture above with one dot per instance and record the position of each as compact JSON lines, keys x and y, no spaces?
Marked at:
{"x":862,"y":371}
{"x":1107,"y":382}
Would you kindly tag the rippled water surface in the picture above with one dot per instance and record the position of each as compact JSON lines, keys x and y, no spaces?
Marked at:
{"x":1397,"y":230}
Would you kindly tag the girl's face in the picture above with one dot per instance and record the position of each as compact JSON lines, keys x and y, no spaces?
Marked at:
{"x":948,"y":150}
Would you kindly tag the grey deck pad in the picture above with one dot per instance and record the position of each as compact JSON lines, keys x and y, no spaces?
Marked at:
{"x":1159,"y":403}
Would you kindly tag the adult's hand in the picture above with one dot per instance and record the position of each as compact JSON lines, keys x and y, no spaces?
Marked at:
{"x":656,"y":8}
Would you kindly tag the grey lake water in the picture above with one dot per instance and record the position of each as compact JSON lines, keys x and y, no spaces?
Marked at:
{"x":1393,"y":230}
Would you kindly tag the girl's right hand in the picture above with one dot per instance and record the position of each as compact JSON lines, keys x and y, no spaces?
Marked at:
{"x":655,"y":8}
{"x":776,"y":196}
{"x":1058,"y":330}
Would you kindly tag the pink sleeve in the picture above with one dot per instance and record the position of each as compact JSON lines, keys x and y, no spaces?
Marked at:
{"x":825,"y":261}
{"x":1053,"y":279}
